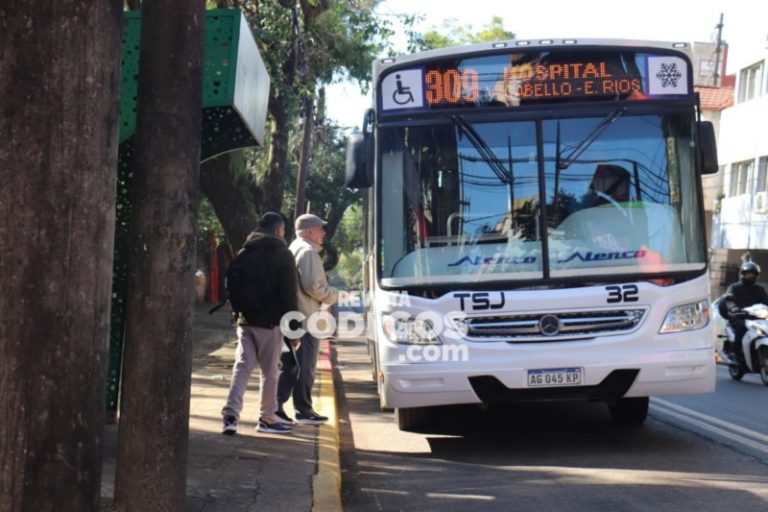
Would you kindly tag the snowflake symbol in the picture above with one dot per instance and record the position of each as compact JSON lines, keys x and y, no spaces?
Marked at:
{"x":669,"y":75}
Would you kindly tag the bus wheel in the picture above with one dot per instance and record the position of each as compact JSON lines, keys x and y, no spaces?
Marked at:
{"x":735,"y":371}
{"x":412,"y":419}
{"x":630,"y":411}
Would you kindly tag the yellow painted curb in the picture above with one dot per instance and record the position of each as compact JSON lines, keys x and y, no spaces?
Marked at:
{"x":326,"y":482}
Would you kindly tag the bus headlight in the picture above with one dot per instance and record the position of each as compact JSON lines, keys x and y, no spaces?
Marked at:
{"x":686,"y":317}
{"x":401,"y":327}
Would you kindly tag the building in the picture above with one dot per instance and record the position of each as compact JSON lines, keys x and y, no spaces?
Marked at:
{"x":740,"y":213}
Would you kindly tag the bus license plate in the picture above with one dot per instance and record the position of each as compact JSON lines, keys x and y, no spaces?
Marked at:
{"x":555,"y":377}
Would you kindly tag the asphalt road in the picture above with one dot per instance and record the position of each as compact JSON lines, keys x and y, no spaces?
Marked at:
{"x":735,"y":415}
{"x":551,"y":457}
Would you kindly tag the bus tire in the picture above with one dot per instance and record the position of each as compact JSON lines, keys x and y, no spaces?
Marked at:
{"x":630,"y":411}
{"x":412,"y":419}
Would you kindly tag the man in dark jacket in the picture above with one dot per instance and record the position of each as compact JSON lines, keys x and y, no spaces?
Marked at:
{"x":744,"y":293}
{"x":272,"y":276}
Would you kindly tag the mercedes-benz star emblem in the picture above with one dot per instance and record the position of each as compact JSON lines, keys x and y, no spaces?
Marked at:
{"x":549,"y":325}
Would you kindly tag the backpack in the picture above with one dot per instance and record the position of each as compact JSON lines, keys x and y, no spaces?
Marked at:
{"x":246,"y":283}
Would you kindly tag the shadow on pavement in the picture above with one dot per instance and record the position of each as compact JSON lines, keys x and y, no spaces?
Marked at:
{"x":249,"y":471}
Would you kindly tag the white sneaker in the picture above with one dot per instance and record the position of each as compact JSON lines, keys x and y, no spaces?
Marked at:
{"x":230,"y":426}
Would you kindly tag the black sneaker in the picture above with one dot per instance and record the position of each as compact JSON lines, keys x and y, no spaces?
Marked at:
{"x":310,"y":419}
{"x":284,"y":418}
{"x":273,"y":428}
{"x":230,"y":426}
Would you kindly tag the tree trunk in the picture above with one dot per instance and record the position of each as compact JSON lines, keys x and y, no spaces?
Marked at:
{"x":154,"y":409}
{"x":312,"y":9}
{"x":220,"y":183}
{"x":334,"y":216}
{"x":59,"y":86}
{"x":274,"y":181}
{"x":306,"y":151}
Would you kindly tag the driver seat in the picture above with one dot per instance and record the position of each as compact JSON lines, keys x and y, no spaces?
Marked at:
{"x":612,"y":181}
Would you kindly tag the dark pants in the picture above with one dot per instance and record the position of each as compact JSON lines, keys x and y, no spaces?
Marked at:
{"x":739,"y":330}
{"x":299,"y":386}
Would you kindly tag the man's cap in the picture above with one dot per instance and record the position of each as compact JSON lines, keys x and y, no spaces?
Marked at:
{"x":307,"y":221}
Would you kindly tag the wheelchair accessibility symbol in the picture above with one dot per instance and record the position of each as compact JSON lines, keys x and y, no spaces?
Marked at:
{"x":402,"y":95}
{"x":403,"y":89}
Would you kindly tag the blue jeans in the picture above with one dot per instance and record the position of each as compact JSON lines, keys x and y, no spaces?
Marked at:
{"x":298,"y":382}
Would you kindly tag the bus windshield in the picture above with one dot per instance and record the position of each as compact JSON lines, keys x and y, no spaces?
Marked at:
{"x":607,"y":195}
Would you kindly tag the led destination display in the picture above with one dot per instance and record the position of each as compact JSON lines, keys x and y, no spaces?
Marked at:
{"x":521,"y":78}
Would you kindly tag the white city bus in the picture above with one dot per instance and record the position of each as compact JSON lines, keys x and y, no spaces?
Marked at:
{"x":535,"y":227}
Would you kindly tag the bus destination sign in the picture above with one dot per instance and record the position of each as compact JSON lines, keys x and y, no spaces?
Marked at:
{"x":512,"y":80}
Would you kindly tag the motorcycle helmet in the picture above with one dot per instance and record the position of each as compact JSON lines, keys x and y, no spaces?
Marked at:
{"x":748,"y":272}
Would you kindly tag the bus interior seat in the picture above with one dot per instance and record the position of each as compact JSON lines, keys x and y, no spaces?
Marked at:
{"x":612,"y":181}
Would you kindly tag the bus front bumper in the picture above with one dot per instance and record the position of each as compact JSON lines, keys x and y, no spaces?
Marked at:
{"x":678,"y":372}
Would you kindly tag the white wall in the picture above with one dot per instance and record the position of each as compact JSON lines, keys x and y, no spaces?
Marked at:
{"x":743,"y":136}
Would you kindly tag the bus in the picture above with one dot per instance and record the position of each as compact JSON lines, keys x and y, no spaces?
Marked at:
{"x":535,"y":226}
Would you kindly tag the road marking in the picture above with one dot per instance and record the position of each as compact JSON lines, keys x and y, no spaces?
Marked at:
{"x":450,"y":496}
{"x":735,"y":433}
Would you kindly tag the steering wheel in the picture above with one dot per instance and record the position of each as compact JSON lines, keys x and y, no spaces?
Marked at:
{"x":613,"y":203}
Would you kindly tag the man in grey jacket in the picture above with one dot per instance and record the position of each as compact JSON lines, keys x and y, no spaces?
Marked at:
{"x":313,"y":290}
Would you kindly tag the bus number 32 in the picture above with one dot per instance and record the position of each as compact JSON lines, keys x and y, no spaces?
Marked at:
{"x":623,"y":293}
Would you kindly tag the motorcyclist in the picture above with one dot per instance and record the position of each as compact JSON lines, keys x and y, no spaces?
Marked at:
{"x":741,"y":294}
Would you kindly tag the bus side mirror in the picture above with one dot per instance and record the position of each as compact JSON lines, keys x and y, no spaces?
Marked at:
{"x":359,"y":165}
{"x":707,"y":148}
{"x":355,"y":173}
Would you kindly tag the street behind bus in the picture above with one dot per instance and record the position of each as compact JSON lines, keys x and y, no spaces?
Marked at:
{"x":703,"y":453}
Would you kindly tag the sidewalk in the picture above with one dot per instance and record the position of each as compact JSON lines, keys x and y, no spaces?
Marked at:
{"x":249,"y":471}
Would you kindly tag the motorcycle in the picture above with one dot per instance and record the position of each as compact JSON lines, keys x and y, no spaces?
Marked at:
{"x":754,"y":345}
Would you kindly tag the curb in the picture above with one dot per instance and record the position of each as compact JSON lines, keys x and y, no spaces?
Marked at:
{"x":326,"y":482}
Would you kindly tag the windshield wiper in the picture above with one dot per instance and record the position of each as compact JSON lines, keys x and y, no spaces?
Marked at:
{"x":581,"y":147}
{"x":486,"y":152}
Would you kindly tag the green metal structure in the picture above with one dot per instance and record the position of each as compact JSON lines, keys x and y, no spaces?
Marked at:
{"x":235,"y":100}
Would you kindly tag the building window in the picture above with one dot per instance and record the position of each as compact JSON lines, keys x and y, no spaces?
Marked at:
{"x":762,"y":174}
{"x":750,"y":82}
{"x":739,"y":175}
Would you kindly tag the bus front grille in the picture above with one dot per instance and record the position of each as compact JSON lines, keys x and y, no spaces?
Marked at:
{"x":563,"y":326}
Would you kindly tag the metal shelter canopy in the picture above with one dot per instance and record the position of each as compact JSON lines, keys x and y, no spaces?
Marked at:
{"x":235,"y":83}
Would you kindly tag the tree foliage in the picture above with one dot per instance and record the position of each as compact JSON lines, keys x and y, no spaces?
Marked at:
{"x":310,"y":44}
{"x":304,"y":44}
{"x":346,"y":40}
{"x":349,"y":243}
{"x":453,"y":33}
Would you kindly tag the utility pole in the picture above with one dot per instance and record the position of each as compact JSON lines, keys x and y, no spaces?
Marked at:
{"x":718,"y":51}
{"x":306,"y":150}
